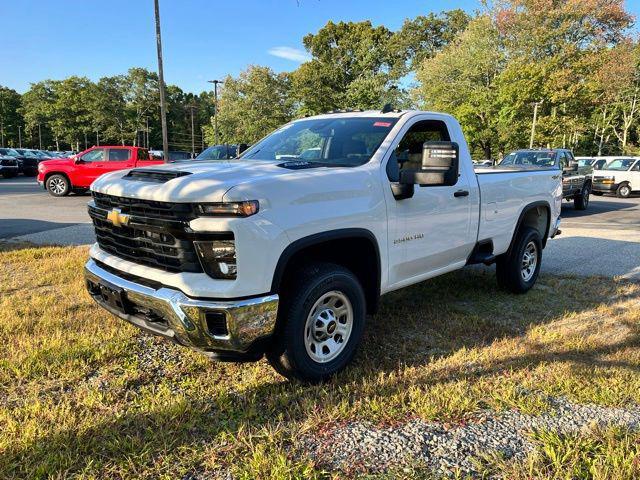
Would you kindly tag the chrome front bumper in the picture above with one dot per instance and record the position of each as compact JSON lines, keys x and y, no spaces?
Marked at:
{"x":167,"y":312}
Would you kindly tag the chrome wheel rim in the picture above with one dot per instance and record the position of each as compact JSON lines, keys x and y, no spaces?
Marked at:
{"x":529,"y":261}
{"x":328,"y":326}
{"x":624,"y":191}
{"x":57,"y":185}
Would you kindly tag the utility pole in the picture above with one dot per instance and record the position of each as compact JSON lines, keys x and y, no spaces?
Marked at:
{"x":193,"y":138}
{"x":97,"y":138}
{"x":146,"y":143}
{"x":202,"y":135}
{"x":163,"y":111}
{"x":533,"y":125}
{"x":19,"y":136}
{"x":40,"y":135}
{"x":215,"y":109}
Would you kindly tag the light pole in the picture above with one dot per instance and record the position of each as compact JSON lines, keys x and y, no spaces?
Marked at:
{"x":215,"y":109}
{"x":193,"y":138}
{"x":535,"y":119}
{"x":40,"y":135}
{"x":163,"y":110}
{"x":19,"y":136}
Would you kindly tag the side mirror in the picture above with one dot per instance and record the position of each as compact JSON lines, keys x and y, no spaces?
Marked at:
{"x":241,"y":148}
{"x":571,"y":168}
{"x":440,"y":166}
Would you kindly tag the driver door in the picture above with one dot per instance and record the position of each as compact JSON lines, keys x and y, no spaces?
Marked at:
{"x":430,"y":232}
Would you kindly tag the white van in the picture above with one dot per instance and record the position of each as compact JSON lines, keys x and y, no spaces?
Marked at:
{"x":621,"y":175}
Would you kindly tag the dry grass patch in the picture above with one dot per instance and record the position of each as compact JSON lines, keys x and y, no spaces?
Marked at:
{"x":83,"y":394}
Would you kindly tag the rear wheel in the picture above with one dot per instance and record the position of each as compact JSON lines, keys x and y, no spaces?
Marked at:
{"x":8,"y":174}
{"x":517,"y":271}
{"x":30,"y":172}
{"x":624,"y":190}
{"x":58,"y":185}
{"x":321,"y":324}
{"x":597,"y":194}
{"x":581,"y":201}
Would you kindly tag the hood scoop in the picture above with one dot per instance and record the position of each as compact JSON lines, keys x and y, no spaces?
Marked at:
{"x":154,"y":175}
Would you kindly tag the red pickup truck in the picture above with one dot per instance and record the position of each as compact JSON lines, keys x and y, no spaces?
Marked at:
{"x":76,"y":173}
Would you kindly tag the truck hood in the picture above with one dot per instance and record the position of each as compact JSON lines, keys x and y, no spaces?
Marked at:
{"x":201,"y":181}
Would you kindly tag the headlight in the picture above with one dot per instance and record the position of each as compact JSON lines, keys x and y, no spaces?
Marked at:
{"x":40,"y":167}
{"x":228,"y":209}
{"x":218,"y":258}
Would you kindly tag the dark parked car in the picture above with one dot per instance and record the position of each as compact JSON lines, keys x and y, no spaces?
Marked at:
{"x":30,"y":161}
{"x":8,"y":165}
{"x":576,"y":185}
{"x":222,"y":152}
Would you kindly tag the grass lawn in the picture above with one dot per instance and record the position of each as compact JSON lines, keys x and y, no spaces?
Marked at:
{"x":83,"y":394}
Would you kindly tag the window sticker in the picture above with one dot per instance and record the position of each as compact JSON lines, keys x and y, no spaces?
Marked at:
{"x":382,"y":124}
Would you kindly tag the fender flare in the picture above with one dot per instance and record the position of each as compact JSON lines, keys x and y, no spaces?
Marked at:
{"x":320,"y":238}
{"x":523,"y":212}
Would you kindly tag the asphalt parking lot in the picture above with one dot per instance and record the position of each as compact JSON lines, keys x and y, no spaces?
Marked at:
{"x":603,"y":240}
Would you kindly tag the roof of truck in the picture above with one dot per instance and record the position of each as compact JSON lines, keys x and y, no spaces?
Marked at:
{"x":373,"y":113}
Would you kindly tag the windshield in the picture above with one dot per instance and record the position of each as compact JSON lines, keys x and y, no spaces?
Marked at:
{"x":620,"y":164}
{"x":585,"y":162}
{"x":9,"y":151}
{"x":217,"y":152}
{"x":330,"y":141}
{"x":538,"y":159}
{"x":27,"y":153}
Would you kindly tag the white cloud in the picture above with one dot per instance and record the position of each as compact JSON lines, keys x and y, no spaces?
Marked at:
{"x":293,"y":54}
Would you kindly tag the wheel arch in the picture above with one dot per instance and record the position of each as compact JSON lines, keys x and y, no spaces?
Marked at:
{"x":354,"y":248}
{"x":536,"y":215}
{"x":48,"y":175}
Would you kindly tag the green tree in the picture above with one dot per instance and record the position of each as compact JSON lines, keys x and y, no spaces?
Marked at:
{"x":461,"y":80}
{"x":352,"y":66}
{"x":252,"y":105}
{"x":10,"y":117}
{"x":37,"y":111}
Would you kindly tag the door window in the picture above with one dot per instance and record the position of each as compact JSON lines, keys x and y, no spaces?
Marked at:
{"x":408,"y":154}
{"x":636,"y":167}
{"x":119,"y":154}
{"x":97,"y":155}
{"x":562,"y":160}
{"x":143,"y":155}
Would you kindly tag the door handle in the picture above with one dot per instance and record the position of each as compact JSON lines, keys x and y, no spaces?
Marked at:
{"x":461,"y":193}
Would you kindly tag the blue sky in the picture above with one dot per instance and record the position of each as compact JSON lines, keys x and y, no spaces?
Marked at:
{"x":202,"y":39}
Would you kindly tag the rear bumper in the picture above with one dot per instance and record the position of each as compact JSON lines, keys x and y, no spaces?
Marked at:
{"x":238,"y":325}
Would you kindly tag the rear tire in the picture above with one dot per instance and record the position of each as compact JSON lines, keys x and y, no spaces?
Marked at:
{"x":581,"y":201}
{"x":597,"y":194}
{"x":624,"y":190}
{"x":9,"y":174}
{"x":320,"y":324}
{"x":29,"y":172}
{"x":517,"y":270}
{"x":58,"y":185}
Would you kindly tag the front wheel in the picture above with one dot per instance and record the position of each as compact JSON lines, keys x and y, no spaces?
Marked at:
{"x":581,"y":201}
{"x":624,"y":190}
{"x":517,"y":270}
{"x":321,"y":324}
{"x":58,"y":185}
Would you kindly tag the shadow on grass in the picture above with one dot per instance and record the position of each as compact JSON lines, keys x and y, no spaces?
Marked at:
{"x":414,"y":327}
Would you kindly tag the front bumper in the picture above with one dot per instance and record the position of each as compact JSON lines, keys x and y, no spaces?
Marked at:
{"x":225,"y":328}
{"x":604,"y":187}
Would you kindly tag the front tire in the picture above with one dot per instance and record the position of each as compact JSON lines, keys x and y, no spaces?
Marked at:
{"x":517,"y":271}
{"x":624,"y":190}
{"x":58,"y":185}
{"x":321,"y":324}
{"x":581,"y":201}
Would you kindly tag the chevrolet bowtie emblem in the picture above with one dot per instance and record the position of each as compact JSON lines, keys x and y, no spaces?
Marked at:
{"x":117,"y":218}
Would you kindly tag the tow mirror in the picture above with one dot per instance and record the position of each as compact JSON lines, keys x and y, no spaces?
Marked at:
{"x":571,"y":168}
{"x":440,"y":165}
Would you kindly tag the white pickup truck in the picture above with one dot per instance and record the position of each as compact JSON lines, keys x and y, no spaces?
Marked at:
{"x":271,"y":254}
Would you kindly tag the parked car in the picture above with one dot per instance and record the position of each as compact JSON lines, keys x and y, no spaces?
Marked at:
{"x":28,"y":161}
{"x":13,"y":153}
{"x":219,"y":152}
{"x":621,"y":176}
{"x":60,"y":177}
{"x":8,"y":165}
{"x":285,"y":258}
{"x":589,"y":164}
{"x":576,"y":186}
{"x":174,"y":155}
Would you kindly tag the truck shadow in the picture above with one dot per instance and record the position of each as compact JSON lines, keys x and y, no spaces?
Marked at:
{"x":415,"y":328}
{"x":601,"y":205}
